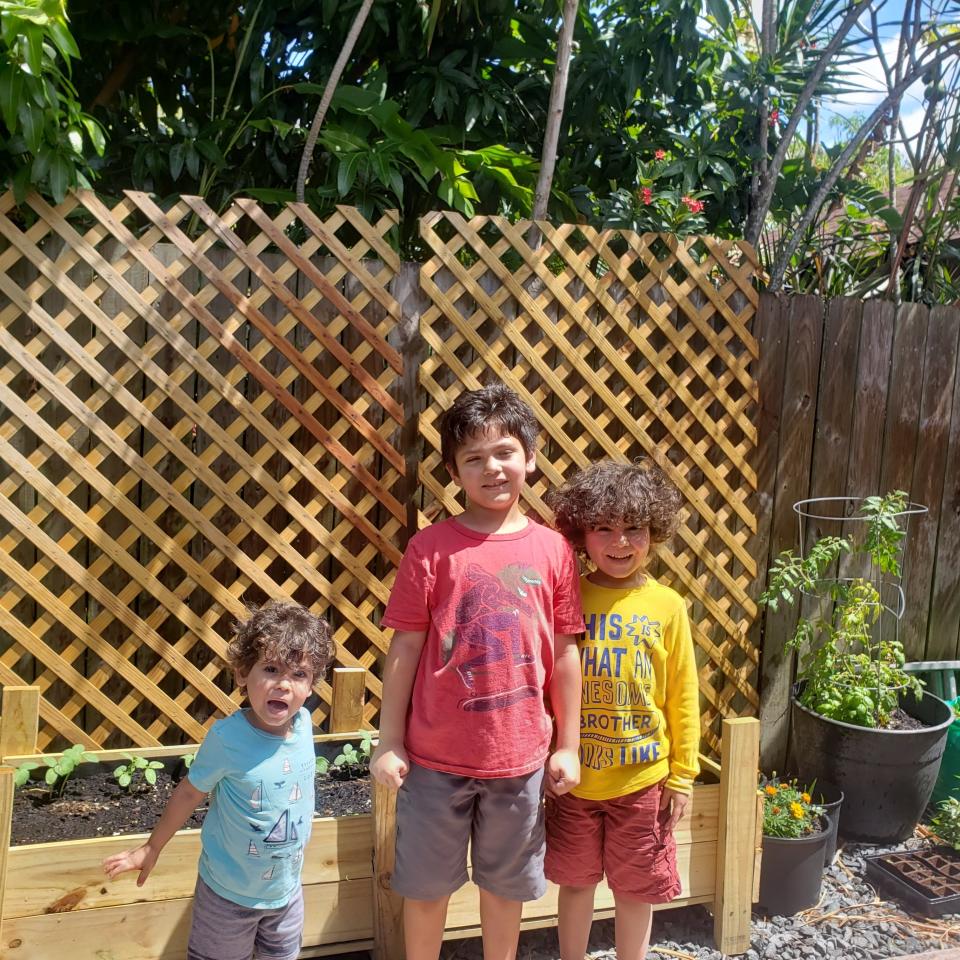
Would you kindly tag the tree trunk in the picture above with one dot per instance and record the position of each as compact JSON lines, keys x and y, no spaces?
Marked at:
{"x":551,"y":136}
{"x":328,"y":92}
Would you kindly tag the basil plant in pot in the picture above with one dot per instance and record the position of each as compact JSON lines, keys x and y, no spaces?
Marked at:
{"x":859,"y":720}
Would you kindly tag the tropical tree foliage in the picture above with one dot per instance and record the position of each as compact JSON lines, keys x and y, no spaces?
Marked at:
{"x":685,"y":115}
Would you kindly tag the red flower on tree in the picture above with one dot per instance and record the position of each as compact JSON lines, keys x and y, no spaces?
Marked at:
{"x":659,"y":154}
{"x":694,"y":206}
{"x":646,"y":194}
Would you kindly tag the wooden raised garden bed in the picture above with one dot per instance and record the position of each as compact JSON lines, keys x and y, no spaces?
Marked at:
{"x":55,"y":896}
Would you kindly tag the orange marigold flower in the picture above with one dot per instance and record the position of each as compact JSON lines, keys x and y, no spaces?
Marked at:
{"x":797,"y":811}
{"x":776,"y":809}
{"x":784,"y":786}
{"x":805,"y":797}
{"x":771,"y":790}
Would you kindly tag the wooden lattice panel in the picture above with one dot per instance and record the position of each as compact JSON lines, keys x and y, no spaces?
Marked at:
{"x":626,"y":346}
{"x":187,"y":425}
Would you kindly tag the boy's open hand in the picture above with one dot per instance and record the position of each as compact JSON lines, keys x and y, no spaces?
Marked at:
{"x":142,"y":858}
{"x":563,"y":772}
{"x":676,"y":803}
{"x":389,"y":765}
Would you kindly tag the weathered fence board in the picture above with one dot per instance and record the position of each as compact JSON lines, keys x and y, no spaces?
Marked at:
{"x":869,"y":403}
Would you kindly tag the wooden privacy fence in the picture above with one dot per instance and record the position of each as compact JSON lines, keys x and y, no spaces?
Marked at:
{"x":198,"y":410}
{"x":860,"y":398}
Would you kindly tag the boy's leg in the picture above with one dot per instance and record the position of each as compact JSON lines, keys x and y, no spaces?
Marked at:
{"x":575,"y":909}
{"x":220,"y":929}
{"x":632,"y":923}
{"x":575,"y":830}
{"x":499,"y":926}
{"x":423,"y":923}
{"x":280,"y":932}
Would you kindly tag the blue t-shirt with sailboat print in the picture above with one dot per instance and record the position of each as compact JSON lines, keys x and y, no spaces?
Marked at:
{"x":261,"y":808}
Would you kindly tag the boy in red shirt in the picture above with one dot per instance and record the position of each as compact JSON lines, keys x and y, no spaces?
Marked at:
{"x":485,"y":610}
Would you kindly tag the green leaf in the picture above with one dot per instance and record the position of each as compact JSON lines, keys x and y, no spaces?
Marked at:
{"x":193,"y":161}
{"x":34,"y":38}
{"x":176,"y":158}
{"x":64,"y":41}
{"x":95,"y":133}
{"x":11,"y":90}
{"x":124,"y":779}
{"x":150,"y":775}
{"x":75,"y":139}
{"x":60,"y":177}
{"x":31,"y":123}
{"x":212,"y":153}
{"x":50,"y":777}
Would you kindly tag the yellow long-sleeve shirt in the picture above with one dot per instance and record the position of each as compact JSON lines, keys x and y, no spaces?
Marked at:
{"x":639,"y":715}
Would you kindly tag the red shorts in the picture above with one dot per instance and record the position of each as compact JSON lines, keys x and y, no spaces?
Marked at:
{"x":623,"y":838}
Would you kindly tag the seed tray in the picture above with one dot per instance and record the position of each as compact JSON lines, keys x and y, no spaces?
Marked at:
{"x":927,"y":880}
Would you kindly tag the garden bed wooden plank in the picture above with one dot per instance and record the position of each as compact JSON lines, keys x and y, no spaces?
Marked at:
{"x":336,"y":913}
{"x":67,"y":876}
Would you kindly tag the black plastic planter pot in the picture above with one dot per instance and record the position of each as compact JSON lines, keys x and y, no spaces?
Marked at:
{"x":886,"y":776}
{"x":829,"y":796}
{"x":791,"y":872}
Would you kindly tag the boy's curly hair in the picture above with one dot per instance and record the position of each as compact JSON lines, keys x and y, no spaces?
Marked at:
{"x":496,"y":407}
{"x":283,"y":631}
{"x":633,"y":494}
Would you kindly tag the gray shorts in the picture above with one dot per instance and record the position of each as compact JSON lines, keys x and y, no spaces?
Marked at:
{"x":501,"y":817}
{"x":224,"y":930}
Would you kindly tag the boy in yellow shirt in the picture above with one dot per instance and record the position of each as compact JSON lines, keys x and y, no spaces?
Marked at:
{"x":639,"y":714}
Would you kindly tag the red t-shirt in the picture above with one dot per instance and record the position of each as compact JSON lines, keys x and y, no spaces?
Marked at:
{"x":491,"y":605}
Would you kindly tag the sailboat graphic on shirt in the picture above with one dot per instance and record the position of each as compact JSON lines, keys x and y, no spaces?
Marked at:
{"x":283,"y":831}
{"x":256,"y":798}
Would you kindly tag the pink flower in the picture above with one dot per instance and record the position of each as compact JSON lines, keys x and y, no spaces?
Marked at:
{"x":774,"y":117}
{"x":694,"y":206}
{"x":647,"y":195}
{"x":659,"y":154}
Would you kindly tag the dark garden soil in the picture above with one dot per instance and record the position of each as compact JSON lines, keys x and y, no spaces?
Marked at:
{"x":94,"y":806}
{"x":901,"y":720}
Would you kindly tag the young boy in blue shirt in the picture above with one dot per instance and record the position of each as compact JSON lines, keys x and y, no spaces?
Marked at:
{"x":258,"y":767}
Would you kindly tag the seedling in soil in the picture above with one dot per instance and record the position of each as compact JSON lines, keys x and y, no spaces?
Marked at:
{"x":59,"y":769}
{"x":946,"y":824}
{"x":351,"y":762}
{"x":137,"y":768}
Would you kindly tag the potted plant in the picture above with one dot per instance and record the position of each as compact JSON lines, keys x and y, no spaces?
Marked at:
{"x":853,"y":703}
{"x":795,"y":836}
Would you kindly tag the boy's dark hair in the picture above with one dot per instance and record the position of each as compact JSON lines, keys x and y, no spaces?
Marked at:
{"x":283,"y":631}
{"x":475,"y":411}
{"x":633,"y":494}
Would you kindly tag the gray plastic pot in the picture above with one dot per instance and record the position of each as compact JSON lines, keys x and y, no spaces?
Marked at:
{"x":886,"y":776}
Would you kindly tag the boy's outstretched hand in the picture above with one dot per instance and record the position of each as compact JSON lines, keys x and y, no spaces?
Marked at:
{"x":142,"y":858}
{"x":389,"y":765}
{"x":563,"y":772}
{"x":676,"y":803}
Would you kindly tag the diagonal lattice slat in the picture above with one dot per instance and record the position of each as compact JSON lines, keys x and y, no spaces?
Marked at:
{"x":199,"y":409}
{"x":626,"y":346}
{"x":188,"y":423}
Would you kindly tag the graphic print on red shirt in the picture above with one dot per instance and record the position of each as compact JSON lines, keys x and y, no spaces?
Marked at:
{"x":490,"y":605}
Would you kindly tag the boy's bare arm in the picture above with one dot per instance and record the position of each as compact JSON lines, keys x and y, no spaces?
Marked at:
{"x":390,"y":764}
{"x":183,"y":801}
{"x":563,"y":768}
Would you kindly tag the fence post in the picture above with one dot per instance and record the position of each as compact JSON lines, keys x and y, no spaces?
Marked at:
{"x":736,"y":839}
{"x":346,"y":707}
{"x":19,"y":721}
{"x":6,"y":824}
{"x":387,"y":906}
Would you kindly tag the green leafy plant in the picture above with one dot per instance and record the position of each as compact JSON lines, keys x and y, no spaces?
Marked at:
{"x":351,"y":762}
{"x":788,"y":810}
{"x":60,"y":768}
{"x":946,"y":824}
{"x":22,"y":776}
{"x":137,"y":768}
{"x":847,"y":673}
{"x":188,"y":759}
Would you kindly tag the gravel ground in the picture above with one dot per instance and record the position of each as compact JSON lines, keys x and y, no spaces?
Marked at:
{"x":850,"y":923}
